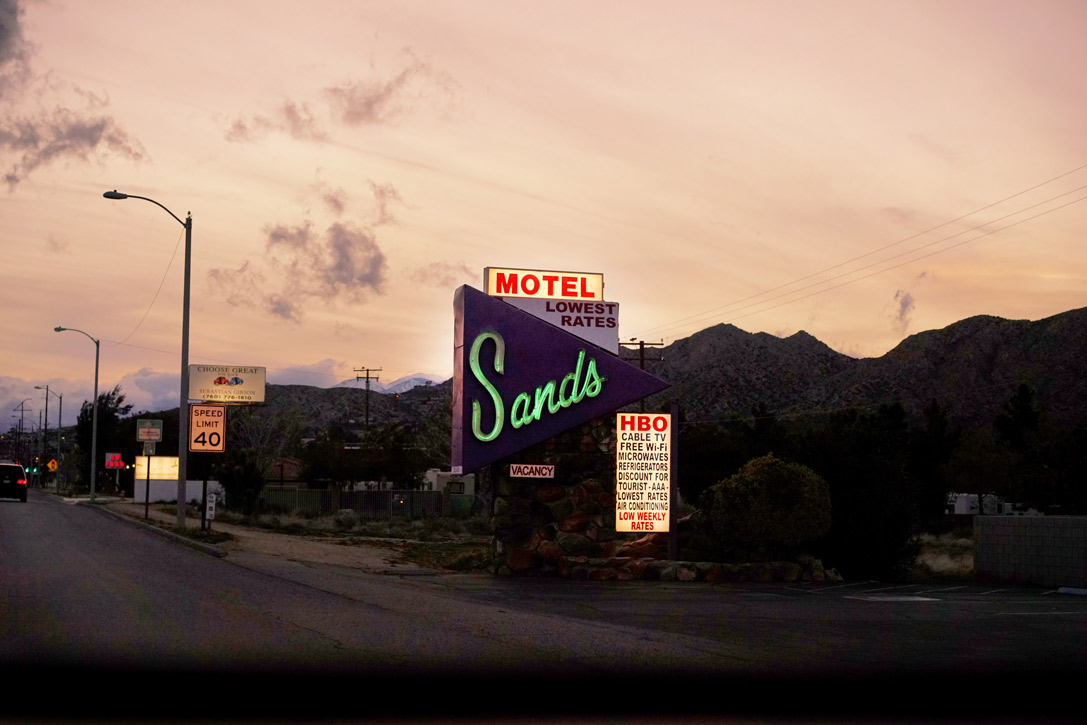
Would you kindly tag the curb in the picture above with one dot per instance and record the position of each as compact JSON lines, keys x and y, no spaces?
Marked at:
{"x":209,"y":549}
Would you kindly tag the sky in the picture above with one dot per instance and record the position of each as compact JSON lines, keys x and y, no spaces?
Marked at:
{"x":860,"y":170}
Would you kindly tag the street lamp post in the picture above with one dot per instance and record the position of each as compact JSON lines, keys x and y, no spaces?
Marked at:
{"x":45,"y":431}
{"x":183,"y":405}
{"x":94,"y":404}
{"x":60,"y":423}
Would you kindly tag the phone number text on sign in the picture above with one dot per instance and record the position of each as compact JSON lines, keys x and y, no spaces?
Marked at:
{"x":642,"y":471}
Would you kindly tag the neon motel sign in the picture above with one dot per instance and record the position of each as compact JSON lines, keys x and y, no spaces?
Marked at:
{"x":518,"y":380}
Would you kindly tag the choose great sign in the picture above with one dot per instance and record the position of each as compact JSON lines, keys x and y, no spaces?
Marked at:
{"x":237,"y":384}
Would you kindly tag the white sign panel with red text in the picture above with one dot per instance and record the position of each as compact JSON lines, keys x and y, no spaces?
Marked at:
{"x":544,"y":285}
{"x":642,"y":471}
{"x":592,"y":321}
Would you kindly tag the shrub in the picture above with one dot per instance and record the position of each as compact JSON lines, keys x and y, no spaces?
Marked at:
{"x":345,"y":519}
{"x":766,"y":510}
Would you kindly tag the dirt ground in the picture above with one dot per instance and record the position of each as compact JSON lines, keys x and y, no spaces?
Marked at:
{"x":373,"y":559}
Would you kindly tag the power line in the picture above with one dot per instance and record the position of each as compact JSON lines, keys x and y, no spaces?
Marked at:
{"x":901,"y":264}
{"x":161,"y":282}
{"x":895,"y":266}
{"x":702,"y":315}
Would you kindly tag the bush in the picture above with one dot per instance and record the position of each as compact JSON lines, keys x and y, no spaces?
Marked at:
{"x":345,"y":519}
{"x":767,"y":510}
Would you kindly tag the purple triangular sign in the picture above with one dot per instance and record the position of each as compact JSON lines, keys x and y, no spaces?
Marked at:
{"x":518,"y":380}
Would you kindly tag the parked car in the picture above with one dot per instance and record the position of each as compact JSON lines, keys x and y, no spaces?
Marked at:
{"x":12,"y":481}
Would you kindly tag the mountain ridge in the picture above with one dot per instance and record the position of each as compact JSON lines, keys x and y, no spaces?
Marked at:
{"x":971,"y":367}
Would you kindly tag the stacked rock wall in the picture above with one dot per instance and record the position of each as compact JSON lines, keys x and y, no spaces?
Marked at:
{"x":539,"y":522}
{"x":565,"y":526}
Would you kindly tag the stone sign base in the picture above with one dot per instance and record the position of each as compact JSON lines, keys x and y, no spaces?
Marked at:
{"x":565,"y":526}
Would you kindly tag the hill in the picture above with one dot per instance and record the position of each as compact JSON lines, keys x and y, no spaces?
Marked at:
{"x":971,"y":367}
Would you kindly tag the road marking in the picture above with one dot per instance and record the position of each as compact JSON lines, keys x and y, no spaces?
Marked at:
{"x":823,"y":589}
{"x":993,"y":591}
{"x":948,"y":589}
{"x":883,"y":589}
{"x":1027,"y":614}
{"x":894,"y":598}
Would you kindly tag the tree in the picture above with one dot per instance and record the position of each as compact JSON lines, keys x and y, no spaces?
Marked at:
{"x":241,"y":476}
{"x":931,"y":448}
{"x":863,"y":458}
{"x":111,"y":409}
{"x":768,"y":509}
{"x":266,"y":437}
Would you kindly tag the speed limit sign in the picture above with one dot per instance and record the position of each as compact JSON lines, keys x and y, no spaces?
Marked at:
{"x":207,"y":428}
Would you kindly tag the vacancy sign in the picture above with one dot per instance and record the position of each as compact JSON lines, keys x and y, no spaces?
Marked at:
{"x":207,"y":428}
{"x":543,"y":285}
{"x":642,"y":471}
{"x":531,"y":470}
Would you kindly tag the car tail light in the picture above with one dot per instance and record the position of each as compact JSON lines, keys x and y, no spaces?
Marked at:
{"x":21,"y":482}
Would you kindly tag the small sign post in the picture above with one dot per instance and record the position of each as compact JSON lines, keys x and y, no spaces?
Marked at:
{"x":148,"y":430}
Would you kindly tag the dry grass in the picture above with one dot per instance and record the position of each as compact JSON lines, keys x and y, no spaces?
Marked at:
{"x":947,"y":556}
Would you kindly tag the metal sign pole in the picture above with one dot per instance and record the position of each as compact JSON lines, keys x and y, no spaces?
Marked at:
{"x":147,"y":487}
{"x":673,"y":499}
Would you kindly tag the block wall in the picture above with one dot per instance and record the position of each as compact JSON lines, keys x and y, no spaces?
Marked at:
{"x":1045,"y":550}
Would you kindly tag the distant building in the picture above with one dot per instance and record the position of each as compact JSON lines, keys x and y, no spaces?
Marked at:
{"x":436,"y":479}
{"x":285,"y":470}
{"x":966,"y":504}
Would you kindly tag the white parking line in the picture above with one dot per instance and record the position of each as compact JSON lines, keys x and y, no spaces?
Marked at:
{"x":948,"y":589}
{"x":883,"y":589}
{"x":1027,"y":614}
{"x":993,"y":591}
{"x":836,"y":586}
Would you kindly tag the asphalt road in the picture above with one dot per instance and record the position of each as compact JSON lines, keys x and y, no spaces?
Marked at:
{"x":106,"y":610}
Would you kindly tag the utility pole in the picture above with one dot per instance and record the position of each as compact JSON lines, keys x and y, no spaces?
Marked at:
{"x":641,"y":345}
{"x":22,"y":443}
{"x":367,"y":377}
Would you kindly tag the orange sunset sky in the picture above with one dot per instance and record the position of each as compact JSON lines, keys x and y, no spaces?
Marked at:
{"x":861,"y":170}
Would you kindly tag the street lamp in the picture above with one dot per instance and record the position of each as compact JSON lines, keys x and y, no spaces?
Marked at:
{"x":94,"y":405}
{"x":60,"y":422}
{"x":183,"y":406}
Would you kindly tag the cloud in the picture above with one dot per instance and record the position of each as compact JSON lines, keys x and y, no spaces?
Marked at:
{"x":65,"y":134}
{"x":345,"y":263}
{"x":353,"y":103}
{"x":239,"y":287}
{"x":36,"y":137}
{"x":351,"y":262}
{"x":384,"y":196}
{"x":14,"y":50}
{"x":325,"y":373}
{"x":442,"y":274}
{"x":334,"y":199}
{"x":280,"y":306}
{"x":148,"y":390}
{"x":902,"y":308}
{"x":378,"y":101}
{"x":294,"y":119}
{"x":296,"y":237}
{"x":56,"y":244}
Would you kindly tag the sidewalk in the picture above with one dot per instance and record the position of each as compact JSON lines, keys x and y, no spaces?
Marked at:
{"x":303,"y":549}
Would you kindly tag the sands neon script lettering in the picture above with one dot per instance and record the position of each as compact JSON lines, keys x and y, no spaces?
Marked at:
{"x":551,"y":397}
